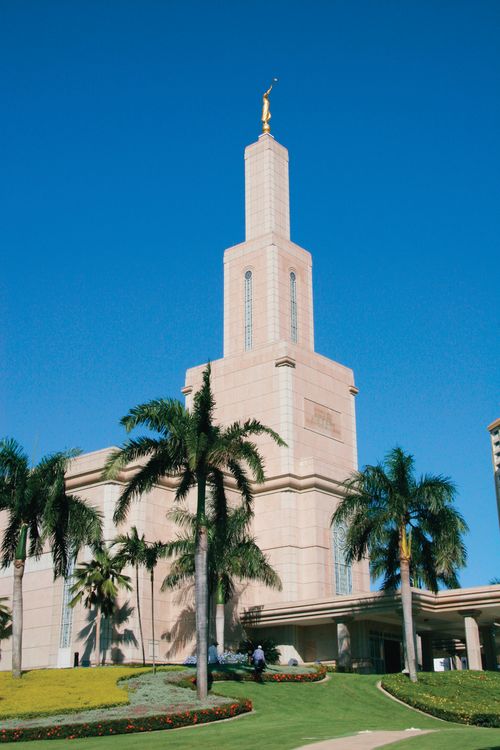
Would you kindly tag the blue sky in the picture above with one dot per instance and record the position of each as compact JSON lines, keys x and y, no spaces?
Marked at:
{"x":122,"y":133}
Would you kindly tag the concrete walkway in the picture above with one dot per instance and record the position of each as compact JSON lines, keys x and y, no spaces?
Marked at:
{"x":365,"y":740}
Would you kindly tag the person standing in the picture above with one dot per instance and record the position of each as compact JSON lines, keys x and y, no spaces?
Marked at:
{"x":212,"y":653}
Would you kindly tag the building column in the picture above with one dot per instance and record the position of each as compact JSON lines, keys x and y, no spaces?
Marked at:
{"x":472,"y":642}
{"x":427,"y":652}
{"x":457,"y":661}
{"x":344,"y":658}
{"x":489,"y":647}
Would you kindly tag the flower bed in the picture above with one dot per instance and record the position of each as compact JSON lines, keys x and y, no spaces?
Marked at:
{"x":128,"y":726}
{"x":465,"y":697}
{"x":240,"y":675}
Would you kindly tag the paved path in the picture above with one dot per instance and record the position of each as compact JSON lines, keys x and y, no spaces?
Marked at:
{"x":365,"y":740}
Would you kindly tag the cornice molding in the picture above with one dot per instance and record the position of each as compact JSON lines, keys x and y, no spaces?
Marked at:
{"x":424,"y":602}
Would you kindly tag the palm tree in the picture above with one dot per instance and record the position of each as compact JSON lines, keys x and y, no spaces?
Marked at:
{"x":5,"y":620}
{"x":152,"y":553}
{"x":232,"y":555}
{"x":96,"y":585}
{"x":40,"y":515}
{"x":131,"y":552}
{"x":409,"y":525}
{"x":191,"y":447}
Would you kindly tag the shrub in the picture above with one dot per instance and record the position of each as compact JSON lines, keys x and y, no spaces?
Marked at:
{"x":269,"y":647}
{"x":228,"y":657}
{"x":317,"y":674}
{"x":465,"y":697}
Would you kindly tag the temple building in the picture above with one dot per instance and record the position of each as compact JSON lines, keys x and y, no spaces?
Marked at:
{"x":494,"y":430}
{"x":270,"y":371}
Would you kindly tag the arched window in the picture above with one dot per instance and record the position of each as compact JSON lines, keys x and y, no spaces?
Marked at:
{"x":343,"y":570}
{"x":248,"y":311}
{"x":293,"y":307}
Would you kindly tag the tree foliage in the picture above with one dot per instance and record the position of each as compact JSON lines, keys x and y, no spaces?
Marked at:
{"x":387,"y":502}
{"x":40,"y":512}
{"x":190,"y":446}
{"x":233,"y":554}
{"x":408,"y":526}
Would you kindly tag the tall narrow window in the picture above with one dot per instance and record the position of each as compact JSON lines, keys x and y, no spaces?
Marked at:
{"x":67,"y":611}
{"x":248,"y":311}
{"x":293,"y":307}
{"x":343,"y":571}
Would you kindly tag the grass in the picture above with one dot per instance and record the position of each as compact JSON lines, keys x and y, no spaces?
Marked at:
{"x":465,"y":697}
{"x":453,"y":739}
{"x":288,"y":716}
{"x":47,"y":691}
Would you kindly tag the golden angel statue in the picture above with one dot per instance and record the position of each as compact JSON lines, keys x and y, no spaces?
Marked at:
{"x":266,"y":111}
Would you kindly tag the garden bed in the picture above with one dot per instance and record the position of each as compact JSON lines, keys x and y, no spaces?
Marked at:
{"x":147,"y":702}
{"x":153,"y":702}
{"x":65,"y":690}
{"x":242,"y":673}
{"x":465,"y":697}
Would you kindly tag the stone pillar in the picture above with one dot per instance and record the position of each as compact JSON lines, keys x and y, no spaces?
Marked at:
{"x":418,"y":651}
{"x":427,"y":652}
{"x":417,"y":645}
{"x":472,"y":641}
{"x":457,"y":662}
{"x":489,"y":647}
{"x":344,"y":643}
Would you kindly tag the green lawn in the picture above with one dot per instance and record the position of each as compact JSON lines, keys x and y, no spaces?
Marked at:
{"x":453,"y":739}
{"x":289,"y":715}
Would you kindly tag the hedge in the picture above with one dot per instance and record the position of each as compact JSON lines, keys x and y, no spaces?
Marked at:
{"x":467,"y":706}
{"x":318,"y":674}
{"x":128,"y":726}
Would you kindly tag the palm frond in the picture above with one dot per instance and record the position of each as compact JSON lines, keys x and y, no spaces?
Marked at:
{"x":187,"y":481}
{"x":159,"y":415}
{"x":13,"y":460}
{"x":157,"y":467}
{"x":242,"y":482}
{"x":204,"y":404}
{"x":132,"y":450}
{"x":10,"y":540}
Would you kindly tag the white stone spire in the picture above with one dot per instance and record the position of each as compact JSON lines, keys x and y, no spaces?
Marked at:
{"x":267,"y":199}
{"x":267,"y":278}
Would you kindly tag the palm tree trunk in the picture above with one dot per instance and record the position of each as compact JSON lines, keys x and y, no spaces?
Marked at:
{"x":17,"y":603}
{"x":201,"y":593}
{"x":139,"y":612}
{"x":408,"y":617}
{"x":97,"y":636}
{"x":219,"y":619}
{"x":17,"y":619}
{"x":153,"y":617}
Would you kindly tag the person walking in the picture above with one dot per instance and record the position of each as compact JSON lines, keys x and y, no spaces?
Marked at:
{"x":259,"y":660}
